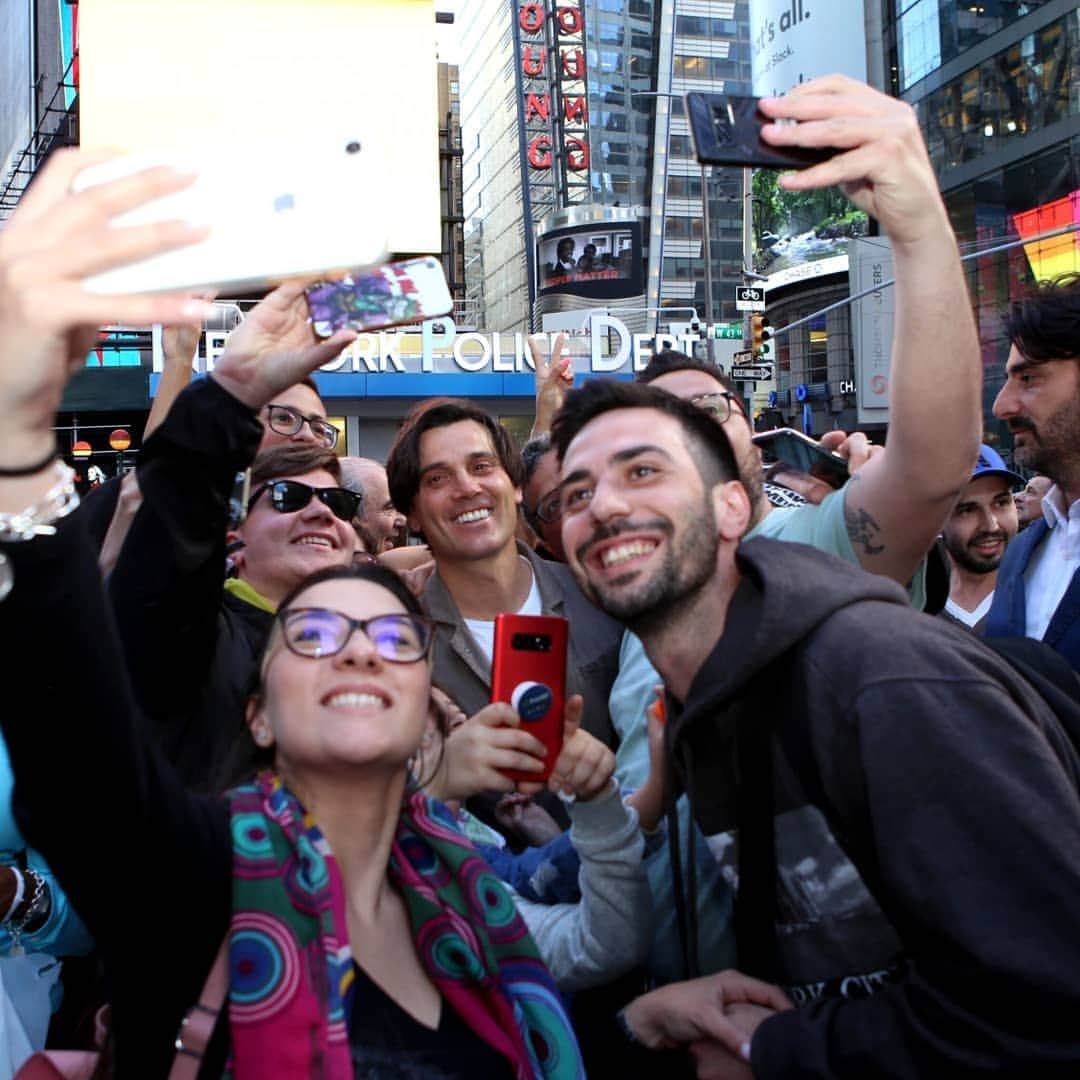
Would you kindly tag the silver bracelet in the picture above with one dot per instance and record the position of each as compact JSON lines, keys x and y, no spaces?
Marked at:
{"x":37,"y":520}
{"x":37,"y":911}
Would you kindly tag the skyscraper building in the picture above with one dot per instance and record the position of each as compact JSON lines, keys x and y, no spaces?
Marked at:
{"x":540,"y":135}
{"x":995,"y":85}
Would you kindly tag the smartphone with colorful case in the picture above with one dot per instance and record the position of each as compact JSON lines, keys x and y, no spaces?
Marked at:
{"x":394,"y":294}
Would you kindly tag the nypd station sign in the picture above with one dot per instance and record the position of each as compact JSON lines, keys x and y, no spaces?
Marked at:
{"x":434,"y":358}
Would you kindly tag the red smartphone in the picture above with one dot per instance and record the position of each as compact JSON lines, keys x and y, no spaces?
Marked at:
{"x":392,"y":295}
{"x":726,"y":129}
{"x":528,"y":671}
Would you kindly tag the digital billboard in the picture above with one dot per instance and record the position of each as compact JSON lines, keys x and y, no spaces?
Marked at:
{"x":601,"y":260}
{"x":1058,"y":254}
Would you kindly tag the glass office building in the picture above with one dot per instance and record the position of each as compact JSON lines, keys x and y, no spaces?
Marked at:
{"x":642,"y":55}
{"x":996,"y":86}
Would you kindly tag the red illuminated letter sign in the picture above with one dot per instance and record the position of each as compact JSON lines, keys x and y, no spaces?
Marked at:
{"x":569,"y":20}
{"x":533,"y":61}
{"x":540,"y":152}
{"x":537,"y":105}
{"x":531,"y":18}
{"x":575,"y":109}
{"x":577,"y":154}
{"x":573,"y":63}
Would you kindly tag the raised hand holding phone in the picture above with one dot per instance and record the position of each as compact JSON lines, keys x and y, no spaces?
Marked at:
{"x":584,"y":766}
{"x":804,"y":453}
{"x":274,"y":347}
{"x":395,"y":294}
{"x":726,"y":129}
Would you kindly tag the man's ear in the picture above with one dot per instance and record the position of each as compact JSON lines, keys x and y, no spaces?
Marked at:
{"x":731,"y":505}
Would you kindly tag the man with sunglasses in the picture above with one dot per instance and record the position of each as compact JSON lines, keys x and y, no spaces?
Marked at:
{"x":192,"y":639}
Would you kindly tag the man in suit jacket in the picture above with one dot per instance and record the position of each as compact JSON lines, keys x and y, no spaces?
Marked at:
{"x":1038,"y":588}
{"x":456,"y":474}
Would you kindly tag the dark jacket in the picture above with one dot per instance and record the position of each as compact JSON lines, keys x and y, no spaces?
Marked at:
{"x":463,"y":671}
{"x":927,"y":832}
{"x":192,"y":650}
{"x":147,"y":863}
{"x":1008,"y":613}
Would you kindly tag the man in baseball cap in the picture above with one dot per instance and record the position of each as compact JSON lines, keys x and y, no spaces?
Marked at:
{"x":976,"y":535}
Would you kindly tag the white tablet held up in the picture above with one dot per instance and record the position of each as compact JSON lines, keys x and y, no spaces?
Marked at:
{"x":283,"y":212}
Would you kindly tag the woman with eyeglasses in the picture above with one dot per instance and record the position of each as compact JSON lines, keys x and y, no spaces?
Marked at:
{"x":366,"y":937}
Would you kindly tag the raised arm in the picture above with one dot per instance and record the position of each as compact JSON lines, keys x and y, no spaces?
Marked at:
{"x":89,"y":792}
{"x":897,"y":502}
{"x":178,"y":345}
{"x":166,"y":586}
{"x":553,"y":379}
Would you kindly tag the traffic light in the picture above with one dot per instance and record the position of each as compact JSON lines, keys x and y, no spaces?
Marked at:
{"x":767,"y":349}
{"x":759,"y":333}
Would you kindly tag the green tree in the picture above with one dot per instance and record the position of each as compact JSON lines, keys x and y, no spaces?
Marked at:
{"x":769,"y":212}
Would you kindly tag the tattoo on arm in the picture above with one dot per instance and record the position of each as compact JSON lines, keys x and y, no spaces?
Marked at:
{"x":862,"y":529}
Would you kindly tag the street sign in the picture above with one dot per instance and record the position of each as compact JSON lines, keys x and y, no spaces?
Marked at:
{"x":744,"y":357}
{"x":753,"y":372}
{"x":749,"y":298}
{"x":727,"y":331}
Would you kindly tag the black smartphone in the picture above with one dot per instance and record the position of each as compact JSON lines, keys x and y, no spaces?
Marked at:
{"x":727,"y":131}
{"x":803,"y":453}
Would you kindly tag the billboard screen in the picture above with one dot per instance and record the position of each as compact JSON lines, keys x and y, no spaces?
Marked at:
{"x":789,"y":47}
{"x":1058,"y":254}
{"x":601,"y":260}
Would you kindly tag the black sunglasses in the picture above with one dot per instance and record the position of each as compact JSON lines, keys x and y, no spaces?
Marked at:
{"x":288,"y":496}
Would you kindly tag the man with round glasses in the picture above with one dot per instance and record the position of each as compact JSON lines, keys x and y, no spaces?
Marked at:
{"x":297,"y":414}
{"x":541,"y":499}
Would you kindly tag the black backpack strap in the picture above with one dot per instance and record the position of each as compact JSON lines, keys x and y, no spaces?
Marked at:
{"x":755,"y":901}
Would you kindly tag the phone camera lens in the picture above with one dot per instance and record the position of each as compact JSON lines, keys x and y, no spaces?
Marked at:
{"x":352,"y":148}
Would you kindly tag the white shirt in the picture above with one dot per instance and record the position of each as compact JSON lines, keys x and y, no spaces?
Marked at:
{"x":484,"y":631}
{"x":1053,"y":562}
{"x":969,"y":618}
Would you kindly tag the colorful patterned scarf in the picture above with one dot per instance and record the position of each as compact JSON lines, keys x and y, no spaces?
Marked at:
{"x":291,"y":970}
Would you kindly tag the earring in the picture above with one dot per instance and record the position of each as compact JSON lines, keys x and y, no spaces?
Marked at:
{"x":262,"y":737}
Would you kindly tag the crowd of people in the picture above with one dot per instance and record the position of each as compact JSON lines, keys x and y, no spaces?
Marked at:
{"x":816,"y":809}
